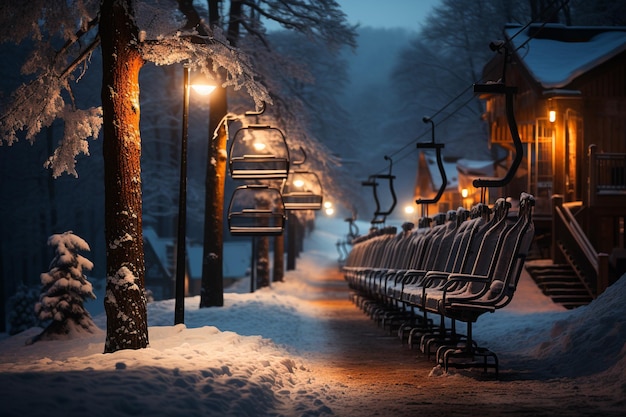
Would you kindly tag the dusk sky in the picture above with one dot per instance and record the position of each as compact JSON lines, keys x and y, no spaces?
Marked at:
{"x":406,"y":14}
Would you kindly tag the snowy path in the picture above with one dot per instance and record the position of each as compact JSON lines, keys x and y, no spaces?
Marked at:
{"x":373,"y":374}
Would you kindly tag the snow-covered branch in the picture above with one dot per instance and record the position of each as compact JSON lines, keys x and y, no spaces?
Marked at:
{"x":216,"y":52}
{"x":79,"y":126}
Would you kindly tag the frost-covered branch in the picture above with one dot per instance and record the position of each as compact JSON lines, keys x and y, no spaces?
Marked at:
{"x":41,"y":100}
{"x":79,"y":126}
{"x":215,"y":52}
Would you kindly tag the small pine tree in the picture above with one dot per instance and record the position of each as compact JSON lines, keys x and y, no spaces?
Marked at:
{"x":64,"y":290}
{"x":21,"y":309}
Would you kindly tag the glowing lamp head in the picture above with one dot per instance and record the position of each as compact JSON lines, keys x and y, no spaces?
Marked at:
{"x":203,"y":89}
{"x":409,"y":209}
{"x":298,"y":183}
{"x":464,"y":193}
{"x":258,"y":146}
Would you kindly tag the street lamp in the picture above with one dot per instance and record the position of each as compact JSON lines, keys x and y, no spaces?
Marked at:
{"x":409,"y":210}
{"x":179,"y":305}
{"x":328,"y":208}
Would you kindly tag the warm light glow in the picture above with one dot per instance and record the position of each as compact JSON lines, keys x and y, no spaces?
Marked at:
{"x":258,"y":146}
{"x":203,"y":89}
{"x":464,"y":193}
{"x":409,"y":209}
{"x":552,"y":116}
{"x":329,"y":211}
{"x":298,"y":183}
{"x":328,"y":204}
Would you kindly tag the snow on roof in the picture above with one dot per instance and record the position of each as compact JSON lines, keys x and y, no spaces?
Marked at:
{"x":194,"y":254}
{"x":236,"y":259}
{"x":475,"y":167}
{"x":236,"y":255}
{"x":159,"y":245}
{"x":555,"y":63}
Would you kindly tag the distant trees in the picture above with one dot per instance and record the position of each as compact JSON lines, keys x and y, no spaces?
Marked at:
{"x":435,"y":73}
{"x":21,"y":308}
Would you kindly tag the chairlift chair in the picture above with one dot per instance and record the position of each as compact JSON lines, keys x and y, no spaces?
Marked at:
{"x":258,"y":152}
{"x":256,"y":210}
{"x":302,"y":190}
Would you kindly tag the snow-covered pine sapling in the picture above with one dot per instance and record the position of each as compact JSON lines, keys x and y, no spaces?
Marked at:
{"x":64,"y":290}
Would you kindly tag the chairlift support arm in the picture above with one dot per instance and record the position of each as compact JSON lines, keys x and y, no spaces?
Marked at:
{"x":372,"y":182}
{"x":389,"y":177}
{"x":437,"y":147}
{"x":509,"y":92}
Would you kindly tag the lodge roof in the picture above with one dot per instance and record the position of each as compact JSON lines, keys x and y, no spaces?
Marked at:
{"x":555,"y":55}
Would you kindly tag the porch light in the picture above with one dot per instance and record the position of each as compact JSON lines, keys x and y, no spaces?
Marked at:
{"x":551,"y":111}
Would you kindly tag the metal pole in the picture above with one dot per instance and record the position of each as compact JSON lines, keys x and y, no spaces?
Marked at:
{"x":253,"y":265}
{"x":179,"y":306}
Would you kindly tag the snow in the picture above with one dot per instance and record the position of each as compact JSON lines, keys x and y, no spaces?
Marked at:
{"x":555,"y":64}
{"x":254,"y":356}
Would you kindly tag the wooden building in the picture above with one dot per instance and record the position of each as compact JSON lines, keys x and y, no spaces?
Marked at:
{"x":570,"y":109}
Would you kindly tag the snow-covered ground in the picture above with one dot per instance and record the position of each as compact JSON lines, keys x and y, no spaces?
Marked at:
{"x":250,"y":358}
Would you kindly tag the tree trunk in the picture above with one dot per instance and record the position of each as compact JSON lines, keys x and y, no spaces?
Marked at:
{"x":263,"y":262}
{"x":212,"y":291}
{"x":125,"y":302}
{"x":279,"y":258}
{"x":292,"y":232}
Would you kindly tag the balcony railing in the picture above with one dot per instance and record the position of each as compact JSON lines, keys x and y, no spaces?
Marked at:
{"x":607,"y":174}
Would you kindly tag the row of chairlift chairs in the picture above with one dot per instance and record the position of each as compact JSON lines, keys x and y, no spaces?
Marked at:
{"x":469,"y":351}
{"x":260,"y":153}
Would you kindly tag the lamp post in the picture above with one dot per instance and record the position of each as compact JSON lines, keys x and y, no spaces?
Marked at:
{"x":179,"y":304}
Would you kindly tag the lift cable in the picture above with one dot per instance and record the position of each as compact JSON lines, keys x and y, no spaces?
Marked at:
{"x":471,"y":86}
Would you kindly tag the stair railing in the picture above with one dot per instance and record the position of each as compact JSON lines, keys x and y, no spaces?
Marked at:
{"x":575,"y":248}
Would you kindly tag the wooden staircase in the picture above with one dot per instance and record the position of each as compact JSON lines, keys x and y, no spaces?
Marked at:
{"x":559,"y":282}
